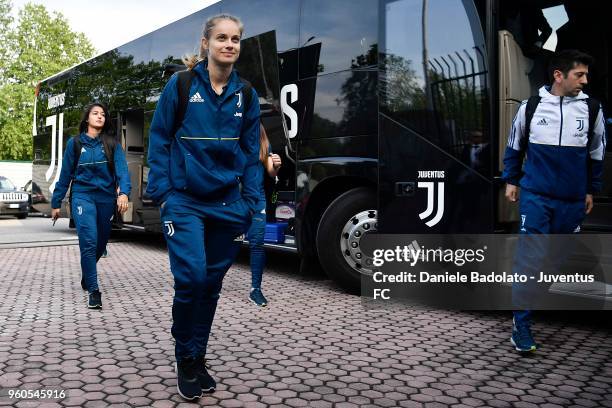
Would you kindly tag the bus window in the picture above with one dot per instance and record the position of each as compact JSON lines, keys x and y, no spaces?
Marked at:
{"x":280,"y":17}
{"x":171,"y":42}
{"x":434,"y":75}
{"x":138,"y":50}
{"x":346,"y":30}
{"x":345,"y":105}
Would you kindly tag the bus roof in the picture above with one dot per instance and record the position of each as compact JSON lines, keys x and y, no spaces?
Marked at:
{"x":137,"y":38}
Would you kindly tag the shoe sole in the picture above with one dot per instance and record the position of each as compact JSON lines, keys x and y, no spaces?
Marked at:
{"x":187,"y":398}
{"x":257,"y":304}
{"x":531,"y":350}
{"x":179,"y":390}
{"x":94,"y":306}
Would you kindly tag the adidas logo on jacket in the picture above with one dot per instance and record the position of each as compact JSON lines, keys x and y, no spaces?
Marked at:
{"x":196,"y":98}
{"x":556,"y":163}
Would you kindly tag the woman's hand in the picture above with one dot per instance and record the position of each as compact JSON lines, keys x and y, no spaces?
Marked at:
{"x":122,"y":203}
{"x":55,"y":213}
{"x":274,"y":163}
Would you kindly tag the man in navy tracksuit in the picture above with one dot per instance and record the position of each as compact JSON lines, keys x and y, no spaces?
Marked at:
{"x":195,"y":176}
{"x":562,"y":170}
{"x":94,"y":192}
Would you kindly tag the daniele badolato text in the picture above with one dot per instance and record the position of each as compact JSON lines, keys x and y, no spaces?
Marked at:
{"x":417,"y":259}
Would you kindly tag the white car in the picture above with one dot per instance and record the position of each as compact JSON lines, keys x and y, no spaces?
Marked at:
{"x":12,"y":200}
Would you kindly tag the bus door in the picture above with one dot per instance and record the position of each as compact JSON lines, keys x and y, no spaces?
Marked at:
{"x":529,"y":34}
{"x":131,"y":137}
{"x":258,"y":64}
{"x":435,"y":144}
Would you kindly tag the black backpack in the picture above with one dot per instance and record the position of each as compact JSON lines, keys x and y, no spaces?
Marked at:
{"x":183,"y":84}
{"x":532,"y":104}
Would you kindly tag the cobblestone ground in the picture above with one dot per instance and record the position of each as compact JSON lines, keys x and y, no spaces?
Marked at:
{"x":313,"y":347}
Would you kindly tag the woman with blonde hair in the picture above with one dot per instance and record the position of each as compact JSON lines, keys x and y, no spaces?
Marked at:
{"x":196,"y":168}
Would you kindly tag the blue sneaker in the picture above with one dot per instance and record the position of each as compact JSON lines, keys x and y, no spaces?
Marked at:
{"x":521,"y":338}
{"x":187,"y":382}
{"x":94,"y":300}
{"x":207,"y":383}
{"x":258,"y":298}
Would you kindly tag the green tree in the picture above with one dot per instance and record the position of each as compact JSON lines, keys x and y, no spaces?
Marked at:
{"x":37,"y":46}
{"x":6,"y":20}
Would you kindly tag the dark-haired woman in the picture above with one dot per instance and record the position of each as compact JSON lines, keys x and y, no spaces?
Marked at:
{"x":96,"y":166}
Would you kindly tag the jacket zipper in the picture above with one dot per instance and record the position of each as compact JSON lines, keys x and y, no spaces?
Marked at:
{"x":560,"y":135}
{"x":561,"y":126}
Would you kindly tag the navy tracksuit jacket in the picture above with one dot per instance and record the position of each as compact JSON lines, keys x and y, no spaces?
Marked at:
{"x":195,"y":176}
{"x":558,"y":173}
{"x":94,"y":198}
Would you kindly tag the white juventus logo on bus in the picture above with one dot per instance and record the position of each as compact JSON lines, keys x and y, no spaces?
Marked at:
{"x":432,"y":198}
{"x":290,"y":90}
{"x":169,"y":228}
{"x":57,"y":140}
{"x":57,"y":136}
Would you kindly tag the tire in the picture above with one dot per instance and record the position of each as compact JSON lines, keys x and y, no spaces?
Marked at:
{"x":347,"y":219}
{"x":22,"y":216}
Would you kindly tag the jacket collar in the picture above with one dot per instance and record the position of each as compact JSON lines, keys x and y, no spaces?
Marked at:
{"x":233,"y":85}
{"x":546,"y":96}
{"x":86,"y":140}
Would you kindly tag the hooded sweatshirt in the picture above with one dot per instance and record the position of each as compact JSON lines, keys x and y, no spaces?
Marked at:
{"x":215,"y":148}
{"x":556,"y":165}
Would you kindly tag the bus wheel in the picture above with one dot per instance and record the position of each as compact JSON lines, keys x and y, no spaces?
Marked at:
{"x":345,"y":222}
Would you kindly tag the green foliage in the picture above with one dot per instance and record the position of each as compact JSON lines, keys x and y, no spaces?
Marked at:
{"x":15,"y":123}
{"x":6,"y":20}
{"x":400,"y":89}
{"x":37,"y":46}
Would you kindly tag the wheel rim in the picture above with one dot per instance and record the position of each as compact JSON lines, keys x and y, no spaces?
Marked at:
{"x":357,"y":227}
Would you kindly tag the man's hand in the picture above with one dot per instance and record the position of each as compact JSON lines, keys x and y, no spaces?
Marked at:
{"x":122,"y":203}
{"x":55,"y":213}
{"x":588,"y":203}
{"x":512,"y":192}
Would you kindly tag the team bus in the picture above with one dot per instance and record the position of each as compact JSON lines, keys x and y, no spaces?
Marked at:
{"x":389,"y":115}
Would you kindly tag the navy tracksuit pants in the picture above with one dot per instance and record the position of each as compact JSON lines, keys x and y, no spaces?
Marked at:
{"x":256,"y":243}
{"x":203,"y":240}
{"x":541,"y":217}
{"x":93,"y":220}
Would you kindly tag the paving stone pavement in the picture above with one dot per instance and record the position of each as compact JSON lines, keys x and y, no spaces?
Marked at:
{"x":313,"y":347}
